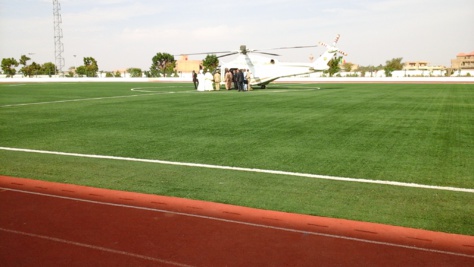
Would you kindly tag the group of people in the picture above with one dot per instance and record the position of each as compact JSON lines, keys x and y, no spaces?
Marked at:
{"x":237,"y":79}
{"x":204,"y":81}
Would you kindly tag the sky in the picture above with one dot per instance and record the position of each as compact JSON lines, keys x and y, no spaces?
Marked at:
{"x":122,"y":34}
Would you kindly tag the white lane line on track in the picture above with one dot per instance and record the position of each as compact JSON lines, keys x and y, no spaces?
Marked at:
{"x":128,"y":254}
{"x":277,"y":172}
{"x":244,"y":223}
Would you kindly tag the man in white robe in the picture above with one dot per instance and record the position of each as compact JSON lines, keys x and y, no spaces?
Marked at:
{"x":208,"y":81}
{"x":200,"y":78}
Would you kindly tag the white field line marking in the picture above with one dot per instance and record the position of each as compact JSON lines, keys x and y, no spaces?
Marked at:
{"x":138,"y":89}
{"x":17,"y":84}
{"x":209,"y":166}
{"x":128,"y":254}
{"x":242,"y":223}
{"x":97,"y":98}
{"x":71,"y":100}
{"x":299,"y":89}
{"x":143,"y":90}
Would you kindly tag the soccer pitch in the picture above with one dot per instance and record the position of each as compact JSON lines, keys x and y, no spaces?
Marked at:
{"x":399,"y":154}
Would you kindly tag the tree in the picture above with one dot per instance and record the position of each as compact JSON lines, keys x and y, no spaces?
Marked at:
{"x":392,"y":65}
{"x":135,"y":72}
{"x":334,"y":65}
{"x":162,"y":64}
{"x":211,"y":62}
{"x":70,"y":74}
{"x":90,"y":66}
{"x":347,"y":66}
{"x":8,"y":66}
{"x":48,"y":68}
{"x":30,"y":70}
{"x":81,"y":71}
{"x":24,"y":59}
{"x":366,"y":69}
{"x":26,"y":70}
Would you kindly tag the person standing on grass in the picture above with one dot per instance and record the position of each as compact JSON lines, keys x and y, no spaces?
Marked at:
{"x":195,"y":80}
{"x":240,"y":80}
{"x":200,"y":82}
{"x":235,"y":78}
{"x":208,"y":81}
{"x":249,"y":77}
{"x":228,"y":79}
{"x":217,"y":80}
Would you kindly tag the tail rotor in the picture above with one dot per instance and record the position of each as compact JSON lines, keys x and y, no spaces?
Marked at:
{"x":337,"y":39}
{"x":333,"y":47}
{"x":342,"y":53}
{"x":323,"y":44}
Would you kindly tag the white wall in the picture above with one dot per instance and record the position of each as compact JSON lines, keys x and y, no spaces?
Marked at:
{"x":295,"y":79}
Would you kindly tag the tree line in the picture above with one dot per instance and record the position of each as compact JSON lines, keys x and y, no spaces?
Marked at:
{"x":336,"y":65}
{"x":9,"y":67}
{"x":164,"y":65}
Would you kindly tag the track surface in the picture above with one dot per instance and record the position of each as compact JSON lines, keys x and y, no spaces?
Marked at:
{"x":51,"y":224}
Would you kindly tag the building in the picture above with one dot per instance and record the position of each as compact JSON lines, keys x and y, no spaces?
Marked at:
{"x":421,"y":65}
{"x":415,"y":65}
{"x":184,"y":65}
{"x":463,"y":61}
{"x":420,"y":69}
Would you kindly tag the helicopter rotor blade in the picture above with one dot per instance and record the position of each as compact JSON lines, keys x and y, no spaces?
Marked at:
{"x":291,"y":47}
{"x":323,"y":44}
{"x":205,"y":53}
{"x":336,"y":39}
{"x":342,"y":53}
{"x":266,"y":53}
{"x":334,"y":45}
{"x":244,"y":50}
{"x":228,"y":54}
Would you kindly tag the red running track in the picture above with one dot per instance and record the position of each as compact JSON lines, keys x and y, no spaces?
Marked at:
{"x":51,"y":224}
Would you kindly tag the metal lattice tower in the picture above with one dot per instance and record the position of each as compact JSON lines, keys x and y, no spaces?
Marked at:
{"x":58,"y":35}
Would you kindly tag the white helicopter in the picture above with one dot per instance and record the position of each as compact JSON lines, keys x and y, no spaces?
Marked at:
{"x":266,"y":70}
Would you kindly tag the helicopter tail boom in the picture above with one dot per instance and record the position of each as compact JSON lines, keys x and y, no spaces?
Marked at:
{"x":321,"y":63}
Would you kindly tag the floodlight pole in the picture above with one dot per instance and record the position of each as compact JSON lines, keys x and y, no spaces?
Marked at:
{"x":58,"y":35}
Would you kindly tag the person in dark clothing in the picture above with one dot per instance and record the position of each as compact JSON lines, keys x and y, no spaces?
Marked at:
{"x":195,"y":80}
{"x":240,"y":80}
{"x":235,"y":78}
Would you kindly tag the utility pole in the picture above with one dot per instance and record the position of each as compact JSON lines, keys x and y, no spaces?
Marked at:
{"x":58,"y":35}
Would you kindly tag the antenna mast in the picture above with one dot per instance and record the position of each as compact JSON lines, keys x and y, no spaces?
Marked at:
{"x":58,"y":35}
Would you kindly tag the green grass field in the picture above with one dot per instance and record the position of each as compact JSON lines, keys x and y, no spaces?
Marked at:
{"x":418,"y":133}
